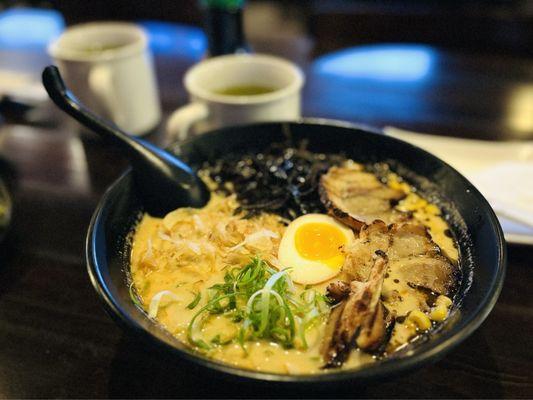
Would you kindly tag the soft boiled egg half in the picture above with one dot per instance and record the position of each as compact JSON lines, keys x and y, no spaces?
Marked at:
{"x":312,"y":247}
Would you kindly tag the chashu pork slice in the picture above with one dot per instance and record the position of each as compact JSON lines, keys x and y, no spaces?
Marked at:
{"x":356,"y":197}
{"x":411,"y":240}
{"x":360,"y":253}
{"x":416,"y":259}
{"x":386,"y":267}
{"x":359,"y":319}
{"x":376,"y":329}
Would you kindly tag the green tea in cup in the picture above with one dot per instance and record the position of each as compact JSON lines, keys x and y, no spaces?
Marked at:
{"x":100,"y":47}
{"x":237,"y":89}
{"x":245,"y":90}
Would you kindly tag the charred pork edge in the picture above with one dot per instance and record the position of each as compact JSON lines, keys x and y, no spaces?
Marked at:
{"x":337,"y":346}
{"x":335,"y":211}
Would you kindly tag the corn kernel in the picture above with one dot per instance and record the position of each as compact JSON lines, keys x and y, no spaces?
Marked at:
{"x":432,"y":209}
{"x":444,"y":301}
{"x":394,"y":184}
{"x":438,"y":313}
{"x":420,"y":319}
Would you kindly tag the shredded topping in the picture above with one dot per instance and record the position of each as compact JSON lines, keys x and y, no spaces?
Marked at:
{"x":156,"y":302}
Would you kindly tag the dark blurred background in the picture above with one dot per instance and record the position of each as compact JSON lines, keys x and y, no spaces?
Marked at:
{"x":482,"y":26}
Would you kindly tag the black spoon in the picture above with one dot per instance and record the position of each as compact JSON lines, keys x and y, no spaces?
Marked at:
{"x":163,"y":181}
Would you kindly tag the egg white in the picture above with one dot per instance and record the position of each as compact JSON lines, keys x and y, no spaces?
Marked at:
{"x":302,"y":270}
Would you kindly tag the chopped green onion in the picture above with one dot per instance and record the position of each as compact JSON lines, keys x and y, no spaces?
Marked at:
{"x":218,"y":341}
{"x":198,"y":342}
{"x":195,"y":301}
{"x":153,"y":309}
{"x":263,"y":301}
{"x":134,"y":297}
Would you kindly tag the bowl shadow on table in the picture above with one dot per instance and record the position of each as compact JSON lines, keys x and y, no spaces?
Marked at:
{"x":8,"y":186}
{"x":140,"y":370}
{"x":10,"y":273}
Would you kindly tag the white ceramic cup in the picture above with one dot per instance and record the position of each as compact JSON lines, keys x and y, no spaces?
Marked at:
{"x":209,"y":109}
{"x":108,"y":66}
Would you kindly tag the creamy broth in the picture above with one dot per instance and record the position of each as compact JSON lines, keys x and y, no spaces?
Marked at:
{"x":190,"y":250}
{"x":152,"y":274}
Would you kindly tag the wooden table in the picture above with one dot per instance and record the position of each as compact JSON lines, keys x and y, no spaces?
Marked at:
{"x":55,"y":338}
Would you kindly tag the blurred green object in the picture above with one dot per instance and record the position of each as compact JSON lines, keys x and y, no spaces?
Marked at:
{"x":223,"y":27}
{"x":223,"y":4}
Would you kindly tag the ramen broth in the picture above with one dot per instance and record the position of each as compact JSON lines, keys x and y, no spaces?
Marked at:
{"x":175,"y":317}
{"x":177,"y":260}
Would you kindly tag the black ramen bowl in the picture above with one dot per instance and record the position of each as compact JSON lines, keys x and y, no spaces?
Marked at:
{"x":470,"y":217}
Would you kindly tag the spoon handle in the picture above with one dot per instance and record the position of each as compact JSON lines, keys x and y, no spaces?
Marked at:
{"x":65,"y":100}
{"x":164,"y":181}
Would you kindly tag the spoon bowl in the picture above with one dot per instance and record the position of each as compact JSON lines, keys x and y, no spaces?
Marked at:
{"x":163,"y":182}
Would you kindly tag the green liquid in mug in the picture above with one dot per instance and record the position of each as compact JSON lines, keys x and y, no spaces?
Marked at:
{"x":99,"y":48}
{"x":245,"y":90}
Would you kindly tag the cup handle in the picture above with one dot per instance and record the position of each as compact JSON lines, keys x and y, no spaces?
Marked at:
{"x":180,"y":121}
{"x":101,"y":84}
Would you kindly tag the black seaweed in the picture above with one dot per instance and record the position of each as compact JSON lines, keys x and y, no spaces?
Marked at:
{"x":282,"y":179}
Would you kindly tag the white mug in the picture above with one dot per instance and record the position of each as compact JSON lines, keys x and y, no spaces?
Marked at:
{"x":108,"y":66}
{"x":210,"y":108}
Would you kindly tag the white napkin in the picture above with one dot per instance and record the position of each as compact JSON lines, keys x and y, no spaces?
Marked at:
{"x":509,"y":188}
{"x":502,"y":171}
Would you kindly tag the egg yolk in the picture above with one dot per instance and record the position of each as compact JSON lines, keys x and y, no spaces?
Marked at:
{"x":319,"y":241}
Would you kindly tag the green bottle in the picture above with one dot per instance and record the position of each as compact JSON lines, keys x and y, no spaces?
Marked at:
{"x":223,"y":26}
